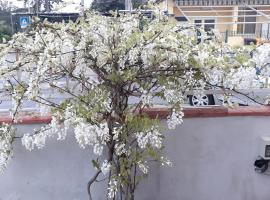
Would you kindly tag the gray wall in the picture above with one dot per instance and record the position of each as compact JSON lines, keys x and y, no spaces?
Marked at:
{"x":212,"y":160}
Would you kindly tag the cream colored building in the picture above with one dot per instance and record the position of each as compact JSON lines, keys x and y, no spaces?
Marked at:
{"x":233,"y":18}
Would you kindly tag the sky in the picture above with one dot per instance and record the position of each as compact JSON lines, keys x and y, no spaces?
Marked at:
{"x":19,"y":3}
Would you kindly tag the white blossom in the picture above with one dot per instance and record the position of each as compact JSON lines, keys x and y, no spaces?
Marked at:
{"x":175,"y":119}
{"x":173,"y":96}
{"x":105,"y":167}
{"x":152,"y":137}
{"x":142,"y":140}
{"x":94,"y":135}
{"x":98,"y":149}
{"x":116,"y":132}
{"x":112,"y":189}
{"x":33,"y":87}
{"x":28,"y":142}
{"x":202,"y":56}
{"x":69,"y":117}
{"x":58,"y":128}
{"x":143,"y":167}
{"x":38,"y":139}
{"x":120,"y":149}
{"x":165,"y":161}
{"x":240,"y":78}
{"x":6,"y":138}
{"x":261,"y":55}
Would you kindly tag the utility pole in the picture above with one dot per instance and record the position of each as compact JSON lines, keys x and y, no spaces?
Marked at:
{"x":82,"y":6}
{"x":47,"y":6}
{"x":128,"y":5}
{"x":37,"y":6}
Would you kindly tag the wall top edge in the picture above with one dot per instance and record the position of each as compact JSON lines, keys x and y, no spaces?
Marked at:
{"x":161,"y":112}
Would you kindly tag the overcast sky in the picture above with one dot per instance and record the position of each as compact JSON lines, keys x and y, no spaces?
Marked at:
{"x":19,"y":3}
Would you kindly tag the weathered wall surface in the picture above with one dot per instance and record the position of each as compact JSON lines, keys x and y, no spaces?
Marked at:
{"x":212,"y":159}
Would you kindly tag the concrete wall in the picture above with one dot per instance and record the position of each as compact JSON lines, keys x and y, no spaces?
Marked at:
{"x":212,"y":160}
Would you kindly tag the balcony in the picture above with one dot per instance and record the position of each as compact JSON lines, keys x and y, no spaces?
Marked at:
{"x":221,"y":2}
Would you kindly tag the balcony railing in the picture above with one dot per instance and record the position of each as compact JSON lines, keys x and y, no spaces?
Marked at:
{"x":221,"y":2}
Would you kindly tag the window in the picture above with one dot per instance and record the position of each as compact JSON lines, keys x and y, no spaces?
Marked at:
{"x":246,"y":28}
{"x":198,"y":23}
{"x":207,"y":24}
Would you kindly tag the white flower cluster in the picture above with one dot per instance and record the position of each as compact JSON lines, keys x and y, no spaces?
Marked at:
{"x":215,"y":76}
{"x":33,"y":87}
{"x":239,"y":78}
{"x":38,"y":139}
{"x":16,"y":101}
{"x":165,"y":161}
{"x":105,"y":167}
{"x":116,"y":132}
{"x":120,"y":149}
{"x":262,"y":55}
{"x":143,"y":167}
{"x":30,"y":141}
{"x":92,"y":134}
{"x":189,"y":78}
{"x":112,"y":189}
{"x":152,"y":137}
{"x":6,"y":137}
{"x":58,"y":128}
{"x":202,"y":57}
{"x":175,"y":119}
{"x":69,"y":116}
{"x":173,"y":96}
{"x":146,"y":98}
{"x":134,"y":55}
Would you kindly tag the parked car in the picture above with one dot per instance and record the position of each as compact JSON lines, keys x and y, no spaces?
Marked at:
{"x":259,"y":96}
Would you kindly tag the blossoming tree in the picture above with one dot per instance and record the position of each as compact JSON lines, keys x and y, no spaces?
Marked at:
{"x":107,"y":71}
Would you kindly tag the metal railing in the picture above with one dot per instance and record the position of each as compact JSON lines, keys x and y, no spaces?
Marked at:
{"x":263,"y":34}
{"x":221,"y":2}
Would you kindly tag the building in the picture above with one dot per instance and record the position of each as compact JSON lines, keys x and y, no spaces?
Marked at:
{"x":233,"y":18}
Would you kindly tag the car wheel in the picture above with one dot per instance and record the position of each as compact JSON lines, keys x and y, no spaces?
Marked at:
{"x":201,"y":100}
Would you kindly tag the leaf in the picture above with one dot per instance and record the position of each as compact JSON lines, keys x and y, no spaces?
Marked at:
{"x":95,"y":164}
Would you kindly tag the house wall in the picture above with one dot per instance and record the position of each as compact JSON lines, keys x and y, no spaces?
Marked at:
{"x":221,"y":26}
{"x":261,"y":30}
{"x":212,"y":159}
{"x":221,"y":22}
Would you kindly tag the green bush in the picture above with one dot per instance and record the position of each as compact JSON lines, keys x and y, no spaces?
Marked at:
{"x":5,"y":31}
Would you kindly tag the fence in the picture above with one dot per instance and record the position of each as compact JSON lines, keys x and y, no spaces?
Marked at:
{"x":221,"y":2}
{"x":263,"y":34}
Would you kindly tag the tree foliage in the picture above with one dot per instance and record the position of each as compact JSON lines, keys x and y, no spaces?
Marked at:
{"x":6,"y":6}
{"x":5,"y":32}
{"x":42,"y":5}
{"x":106,"y":6}
{"x":108,"y":70}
